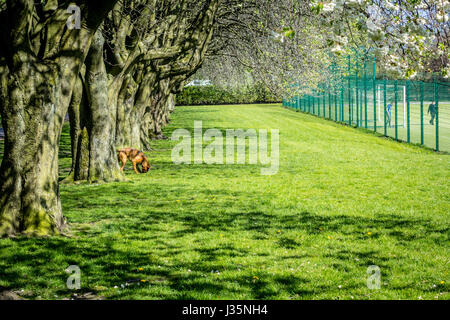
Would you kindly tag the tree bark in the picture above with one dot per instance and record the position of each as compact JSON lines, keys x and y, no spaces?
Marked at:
{"x":128,"y":117}
{"x":29,"y":201}
{"x":42,"y":63}
{"x":142,"y":105}
{"x":159,"y":107}
{"x":79,"y":118}
{"x":94,"y":154}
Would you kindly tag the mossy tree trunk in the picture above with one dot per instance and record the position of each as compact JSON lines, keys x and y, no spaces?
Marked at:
{"x":134,"y":102}
{"x":29,"y":192}
{"x":93,"y":124}
{"x":79,"y":119}
{"x":42,"y":64}
{"x":142,"y":105}
{"x":128,"y":118}
{"x":159,"y":108}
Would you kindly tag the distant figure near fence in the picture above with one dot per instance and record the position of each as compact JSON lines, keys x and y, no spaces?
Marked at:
{"x":432,"y":112}
{"x":388,"y":113}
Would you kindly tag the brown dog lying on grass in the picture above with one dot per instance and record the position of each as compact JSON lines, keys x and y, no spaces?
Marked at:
{"x":136,"y":157}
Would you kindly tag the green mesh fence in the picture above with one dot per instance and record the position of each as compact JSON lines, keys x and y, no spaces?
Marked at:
{"x":406,"y":110}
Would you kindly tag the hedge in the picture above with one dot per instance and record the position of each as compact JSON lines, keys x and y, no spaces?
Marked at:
{"x":203,"y":95}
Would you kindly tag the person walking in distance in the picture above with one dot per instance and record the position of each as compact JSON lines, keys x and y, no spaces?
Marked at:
{"x":388,"y":113}
{"x":432,"y":112}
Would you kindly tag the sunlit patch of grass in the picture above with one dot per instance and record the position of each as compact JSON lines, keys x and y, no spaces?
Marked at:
{"x":342,"y":200}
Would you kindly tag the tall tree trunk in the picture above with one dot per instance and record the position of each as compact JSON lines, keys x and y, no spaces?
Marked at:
{"x":147,"y":128}
{"x":142,"y":105}
{"x":171,"y":103}
{"x":32,"y":118}
{"x":128,"y":118}
{"x":159,"y":107}
{"x":42,"y":63}
{"x":94,"y":154}
{"x":79,"y":118}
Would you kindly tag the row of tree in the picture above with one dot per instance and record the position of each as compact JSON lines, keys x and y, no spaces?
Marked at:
{"x":296,"y":41}
{"x":116,"y":76}
{"x":116,"y":65}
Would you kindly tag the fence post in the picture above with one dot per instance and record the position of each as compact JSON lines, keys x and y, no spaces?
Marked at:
{"x":335,"y":104}
{"x":396,"y":121}
{"x":310,"y":104}
{"x":349,"y":93}
{"x":357,"y":91}
{"x":329,"y":103}
{"x":374,"y":98}
{"x":361,"y":107}
{"x":421,"y":112}
{"x":342,"y":104}
{"x":436,"y":90}
{"x":384,"y":101}
{"x":323,"y":105}
{"x":407,"y":112}
{"x":318,"y":106}
{"x":365,"y":92}
{"x":357,"y":102}
{"x":313,"y":105}
{"x":350,"y":107}
{"x":339,"y":101}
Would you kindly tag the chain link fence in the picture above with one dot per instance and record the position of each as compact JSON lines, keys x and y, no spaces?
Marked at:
{"x":406,"y":110}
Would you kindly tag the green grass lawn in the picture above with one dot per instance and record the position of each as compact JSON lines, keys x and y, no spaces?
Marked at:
{"x":342,"y":200}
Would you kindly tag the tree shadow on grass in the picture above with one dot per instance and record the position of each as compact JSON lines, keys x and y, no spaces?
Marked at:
{"x":106,"y":259}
